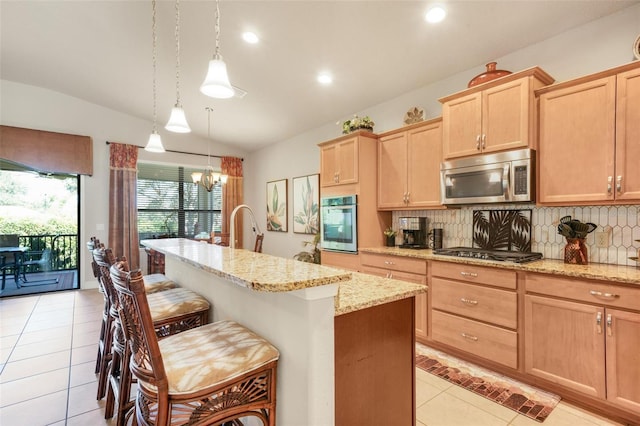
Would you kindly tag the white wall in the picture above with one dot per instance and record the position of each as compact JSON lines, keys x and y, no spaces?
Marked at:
{"x":37,"y":108}
{"x":594,"y":47}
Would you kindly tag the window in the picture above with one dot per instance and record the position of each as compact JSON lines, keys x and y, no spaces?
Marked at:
{"x":171,"y":205}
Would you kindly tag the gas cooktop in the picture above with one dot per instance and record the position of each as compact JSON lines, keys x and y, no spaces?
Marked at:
{"x":499,"y":255}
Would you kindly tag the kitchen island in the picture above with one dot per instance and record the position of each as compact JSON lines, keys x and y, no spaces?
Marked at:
{"x":346,"y":340}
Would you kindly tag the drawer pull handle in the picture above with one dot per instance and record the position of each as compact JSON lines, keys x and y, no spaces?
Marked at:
{"x":609,"y":325}
{"x":601,"y":294}
{"x":468,"y":274}
{"x":388,"y":262}
{"x":599,"y":322}
{"x":469,"y":337}
{"x":469,"y":301}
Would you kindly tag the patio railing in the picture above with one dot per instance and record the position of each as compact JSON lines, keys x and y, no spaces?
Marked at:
{"x":63,"y":249}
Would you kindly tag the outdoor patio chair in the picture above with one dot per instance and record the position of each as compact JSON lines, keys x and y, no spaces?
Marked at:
{"x":210,"y":375}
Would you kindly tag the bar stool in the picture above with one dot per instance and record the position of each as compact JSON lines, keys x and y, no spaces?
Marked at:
{"x":173,"y":311}
{"x":209,"y":375}
{"x":153,"y":283}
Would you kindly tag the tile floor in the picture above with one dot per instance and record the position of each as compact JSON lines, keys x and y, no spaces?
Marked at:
{"x":48,"y":346}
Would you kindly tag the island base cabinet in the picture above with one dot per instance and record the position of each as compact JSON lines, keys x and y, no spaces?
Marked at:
{"x":375,"y":365}
{"x":623,"y":358}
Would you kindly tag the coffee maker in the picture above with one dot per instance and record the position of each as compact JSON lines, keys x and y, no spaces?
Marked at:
{"x":414,"y":232}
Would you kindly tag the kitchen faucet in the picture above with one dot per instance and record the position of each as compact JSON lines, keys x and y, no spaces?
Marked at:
{"x":254,"y":226}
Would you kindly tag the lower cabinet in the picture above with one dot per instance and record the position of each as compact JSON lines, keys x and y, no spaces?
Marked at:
{"x":589,"y":343}
{"x":405,"y":269}
{"x":340,"y":260}
{"x":475,"y":309}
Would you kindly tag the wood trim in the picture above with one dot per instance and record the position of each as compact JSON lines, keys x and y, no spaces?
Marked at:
{"x":47,"y":151}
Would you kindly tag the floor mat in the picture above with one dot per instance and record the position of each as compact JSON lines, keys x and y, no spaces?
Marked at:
{"x":524,"y":399}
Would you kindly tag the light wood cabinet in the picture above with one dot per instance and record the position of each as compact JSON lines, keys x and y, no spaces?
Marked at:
{"x":339,"y":161}
{"x":592,"y":347}
{"x":475,"y":309}
{"x":409,"y":167}
{"x":495,"y":116}
{"x":589,"y":129}
{"x":405,"y":269}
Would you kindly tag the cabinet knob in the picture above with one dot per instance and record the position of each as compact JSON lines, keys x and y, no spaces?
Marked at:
{"x":484,"y":139}
{"x":609,"y":183}
{"x":609,"y":325}
{"x":469,"y":301}
{"x":599,"y":322}
{"x":468,"y":274}
{"x":478,"y":142}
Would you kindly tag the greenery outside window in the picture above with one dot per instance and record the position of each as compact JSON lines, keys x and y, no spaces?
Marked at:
{"x":171,"y":205}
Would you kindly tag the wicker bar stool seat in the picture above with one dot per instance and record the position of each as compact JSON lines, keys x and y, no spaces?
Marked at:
{"x":174,"y":310}
{"x":209,"y":375}
{"x":153,"y":283}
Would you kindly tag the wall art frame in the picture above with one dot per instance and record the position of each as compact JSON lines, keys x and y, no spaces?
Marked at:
{"x":306,"y":204}
{"x":277,"y":213}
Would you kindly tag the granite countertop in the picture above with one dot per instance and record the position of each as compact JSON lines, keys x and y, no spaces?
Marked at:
{"x":595,"y":271}
{"x":364,"y":291}
{"x":268,"y":273}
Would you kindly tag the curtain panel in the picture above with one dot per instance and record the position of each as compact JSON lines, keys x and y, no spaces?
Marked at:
{"x":123,"y":208}
{"x":232,"y":195}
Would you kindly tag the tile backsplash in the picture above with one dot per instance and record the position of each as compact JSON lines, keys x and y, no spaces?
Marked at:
{"x":622,"y":223}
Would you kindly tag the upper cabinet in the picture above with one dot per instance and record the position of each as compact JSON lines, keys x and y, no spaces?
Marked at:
{"x":409,"y":166}
{"x":495,"y":116}
{"x":589,"y":147}
{"x":339,"y":161}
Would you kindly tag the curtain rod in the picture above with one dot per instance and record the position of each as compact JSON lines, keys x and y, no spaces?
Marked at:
{"x":181,"y":152}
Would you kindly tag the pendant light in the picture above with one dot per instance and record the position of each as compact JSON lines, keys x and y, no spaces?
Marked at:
{"x":155,"y":143}
{"x":216,"y":83}
{"x":178,"y":121}
{"x":209,"y":178}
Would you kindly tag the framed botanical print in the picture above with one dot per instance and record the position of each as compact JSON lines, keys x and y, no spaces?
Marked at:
{"x":306,"y":199}
{"x":277,"y":205}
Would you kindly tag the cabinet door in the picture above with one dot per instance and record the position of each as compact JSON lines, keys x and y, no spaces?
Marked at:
{"x":424,"y":154}
{"x":328,"y":165}
{"x":628,"y":136}
{"x":461,"y":126}
{"x":576,"y":153}
{"x":506,"y":116}
{"x":564,"y":343}
{"x":623,"y":358}
{"x":348,"y":161}
{"x":392,"y":171}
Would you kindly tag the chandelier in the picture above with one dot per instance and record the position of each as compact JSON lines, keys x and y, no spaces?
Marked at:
{"x":209,"y":177}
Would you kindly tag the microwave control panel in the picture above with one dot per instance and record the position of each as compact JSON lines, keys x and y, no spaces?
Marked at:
{"x":521,"y":176}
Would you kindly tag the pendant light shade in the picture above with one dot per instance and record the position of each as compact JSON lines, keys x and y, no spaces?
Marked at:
{"x":178,"y":121}
{"x":154,"y":144}
{"x":216,"y":83}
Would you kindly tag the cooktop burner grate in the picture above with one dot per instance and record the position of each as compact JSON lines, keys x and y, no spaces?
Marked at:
{"x":499,"y":255}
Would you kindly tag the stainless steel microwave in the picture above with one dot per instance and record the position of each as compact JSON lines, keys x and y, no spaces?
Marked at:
{"x":503,"y":177}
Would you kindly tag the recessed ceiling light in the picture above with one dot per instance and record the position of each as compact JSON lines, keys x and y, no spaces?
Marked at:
{"x":250,"y":37}
{"x":325,"y":78}
{"x":435,"y":14}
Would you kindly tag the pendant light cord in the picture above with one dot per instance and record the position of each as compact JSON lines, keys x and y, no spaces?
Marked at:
{"x":153,"y":38}
{"x":217,"y":28}
{"x":209,"y":109}
{"x":177,"y":33}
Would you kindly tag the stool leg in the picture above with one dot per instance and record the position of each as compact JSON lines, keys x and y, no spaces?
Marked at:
{"x":124,"y":400}
{"x":106,"y":356}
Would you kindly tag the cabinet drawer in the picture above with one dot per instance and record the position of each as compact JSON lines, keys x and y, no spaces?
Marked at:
{"x":499,"y":307}
{"x":397,"y":263}
{"x":493,"y":343}
{"x":584,"y":290}
{"x":404,"y":276}
{"x":475,"y":274}
{"x":340,"y":260}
